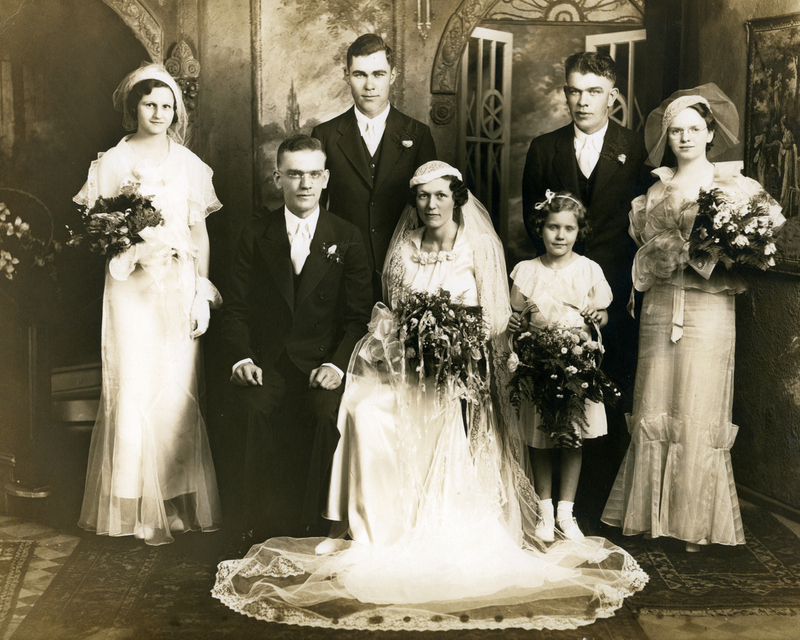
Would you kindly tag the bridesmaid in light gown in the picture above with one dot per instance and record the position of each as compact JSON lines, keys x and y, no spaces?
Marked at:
{"x":150,"y":472}
{"x":676,"y":478}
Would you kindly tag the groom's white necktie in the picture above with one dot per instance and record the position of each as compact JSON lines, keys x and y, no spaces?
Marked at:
{"x":301,"y":246}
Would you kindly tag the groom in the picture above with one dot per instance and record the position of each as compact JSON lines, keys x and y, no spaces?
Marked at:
{"x":299,"y":300}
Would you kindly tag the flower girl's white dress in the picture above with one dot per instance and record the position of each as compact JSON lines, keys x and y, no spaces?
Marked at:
{"x":150,"y":470}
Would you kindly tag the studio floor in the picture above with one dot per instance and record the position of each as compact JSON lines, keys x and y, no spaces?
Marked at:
{"x":50,"y":549}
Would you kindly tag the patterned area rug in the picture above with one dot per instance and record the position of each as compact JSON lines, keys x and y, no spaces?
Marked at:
{"x":119,"y":589}
{"x":759,"y":578}
{"x":14,"y":558}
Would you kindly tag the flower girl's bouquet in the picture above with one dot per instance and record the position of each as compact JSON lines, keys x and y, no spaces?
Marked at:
{"x":113,"y":225}
{"x":733,"y":229}
{"x":443,"y":340}
{"x":557,"y":369}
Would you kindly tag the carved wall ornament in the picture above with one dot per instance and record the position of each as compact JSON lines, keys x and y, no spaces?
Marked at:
{"x":443,"y":108}
{"x":185,"y":68}
{"x":144,"y":25}
{"x":617,"y":11}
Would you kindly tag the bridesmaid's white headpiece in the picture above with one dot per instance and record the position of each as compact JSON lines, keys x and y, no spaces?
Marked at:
{"x":720,"y":105}
{"x":432,"y":170}
{"x":152,"y":71}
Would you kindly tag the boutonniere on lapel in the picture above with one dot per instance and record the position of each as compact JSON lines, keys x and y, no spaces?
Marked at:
{"x":405,"y":138}
{"x":616,"y":152}
{"x":334,"y":252}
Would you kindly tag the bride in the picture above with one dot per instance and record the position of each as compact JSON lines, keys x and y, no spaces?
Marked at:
{"x":430,"y":472}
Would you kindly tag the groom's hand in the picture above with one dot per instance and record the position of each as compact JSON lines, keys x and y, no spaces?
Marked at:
{"x":247,"y":374}
{"x":324,"y":378}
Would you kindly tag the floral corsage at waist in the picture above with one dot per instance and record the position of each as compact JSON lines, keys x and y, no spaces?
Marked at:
{"x":733,"y":229}
{"x":113,"y":225}
{"x":557,"y":369}
{"x":443,"y":340}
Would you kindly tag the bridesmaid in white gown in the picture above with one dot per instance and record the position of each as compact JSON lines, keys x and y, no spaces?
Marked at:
{"x":440,"y":507}
{"x":150,"y":471}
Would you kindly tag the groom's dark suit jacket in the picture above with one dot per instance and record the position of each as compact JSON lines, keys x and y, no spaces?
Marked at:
{"x":373,"y":205}
{"x":317,"y":317}
{"x":619,"y":176}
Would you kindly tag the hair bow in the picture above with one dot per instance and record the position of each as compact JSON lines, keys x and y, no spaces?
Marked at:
{"x":548,"y":195}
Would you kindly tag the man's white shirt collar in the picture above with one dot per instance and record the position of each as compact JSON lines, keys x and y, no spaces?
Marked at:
{"x":597,"y":137}
{"x":378,"y":122}
{"x":293,"y":222}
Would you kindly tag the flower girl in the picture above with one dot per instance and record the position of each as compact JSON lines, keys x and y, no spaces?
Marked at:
{"x":557,"y":296}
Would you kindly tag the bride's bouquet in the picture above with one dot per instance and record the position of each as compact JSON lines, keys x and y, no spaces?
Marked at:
{"x":442,"y":339}
{"x":733,"y":229}
{"x":113,"y":225}
{"x":557,"y":369}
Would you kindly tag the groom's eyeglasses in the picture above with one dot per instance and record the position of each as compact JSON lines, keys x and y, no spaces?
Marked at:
{"x":297,"y":176}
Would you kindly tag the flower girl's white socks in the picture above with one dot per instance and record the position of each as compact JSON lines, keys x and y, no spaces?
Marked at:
{"x":545,"y":528}
{"x":566,"y":523}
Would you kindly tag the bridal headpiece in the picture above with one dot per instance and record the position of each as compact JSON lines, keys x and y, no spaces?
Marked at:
{"x":152,"y":71}
{"x":432,"y":170}
{"x":723,"y":110}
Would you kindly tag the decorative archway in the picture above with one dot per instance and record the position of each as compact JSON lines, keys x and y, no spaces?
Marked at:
{"x":144,"y":25}
{"x":444,"y":76}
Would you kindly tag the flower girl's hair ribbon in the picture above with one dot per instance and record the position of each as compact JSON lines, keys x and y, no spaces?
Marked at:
{"x":549,"y":195}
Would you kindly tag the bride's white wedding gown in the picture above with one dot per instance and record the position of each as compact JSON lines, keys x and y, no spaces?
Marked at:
{"x":437,"y":503}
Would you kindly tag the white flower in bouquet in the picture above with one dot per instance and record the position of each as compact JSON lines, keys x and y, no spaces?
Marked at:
{"x":741,"y":241}
{"x":513,"y":361}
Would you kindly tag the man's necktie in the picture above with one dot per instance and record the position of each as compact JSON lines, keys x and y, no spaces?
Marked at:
{"x":588,"y":156}
{"x":301,"y":246}
{"x":371,"y":138}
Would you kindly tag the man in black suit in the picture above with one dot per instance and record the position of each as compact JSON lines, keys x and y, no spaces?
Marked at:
{"x":299,"y":299}
{"x":373,"y":151}
{"x":602,"y":163}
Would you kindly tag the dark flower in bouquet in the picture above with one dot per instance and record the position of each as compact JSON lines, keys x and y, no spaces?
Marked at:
{"x":732,"y":229}
{"x":112,"y":225}
{"x":443,"y":339}
{"x":557,"y":369}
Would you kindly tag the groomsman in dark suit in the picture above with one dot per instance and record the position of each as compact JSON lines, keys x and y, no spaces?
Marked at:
{"x":298,"y":301}
{"x":603,"y":163}
{"x":373,"y":151}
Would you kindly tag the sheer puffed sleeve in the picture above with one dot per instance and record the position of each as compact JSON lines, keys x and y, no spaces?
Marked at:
{"x":202,"y":199}
{"x":106,"y":175}
{"x":599,"y":294}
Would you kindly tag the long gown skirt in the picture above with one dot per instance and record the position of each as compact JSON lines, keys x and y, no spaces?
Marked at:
{"x":676,"y":478}
{"x":150,"y":469}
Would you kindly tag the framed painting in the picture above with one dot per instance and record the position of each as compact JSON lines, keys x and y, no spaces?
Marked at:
{"x":772,"y":122}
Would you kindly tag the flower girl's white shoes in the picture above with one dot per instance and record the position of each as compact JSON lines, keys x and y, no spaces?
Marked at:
{"x":545,"y":529}
{"x":569,"y":527}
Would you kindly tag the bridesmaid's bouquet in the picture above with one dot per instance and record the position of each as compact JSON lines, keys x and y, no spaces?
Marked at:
{"x":733,"y":229}
{"x":557,"y":369}
{"x":443,"y":339}
{"x":113,"y":225}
